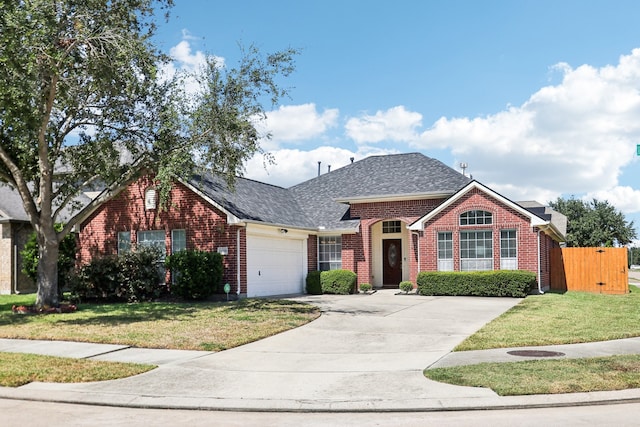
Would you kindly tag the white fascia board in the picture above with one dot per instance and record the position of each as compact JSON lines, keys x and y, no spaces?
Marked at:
{"x":392,"y":197}
{"x":535,"y":220}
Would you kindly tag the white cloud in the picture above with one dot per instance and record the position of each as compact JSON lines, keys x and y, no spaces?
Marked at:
{"x":186,"y":62}
{"x":295,"y":166}
{"x":624,"y":198}
{"x":394,"y":124}
{"x":297,"y":123}
{"x":571,"y":138}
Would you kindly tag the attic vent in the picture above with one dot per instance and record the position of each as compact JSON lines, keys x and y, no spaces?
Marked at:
{"x":150,"y":198}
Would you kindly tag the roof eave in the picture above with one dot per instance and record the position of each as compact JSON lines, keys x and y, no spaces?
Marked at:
{"x":393,"y":197}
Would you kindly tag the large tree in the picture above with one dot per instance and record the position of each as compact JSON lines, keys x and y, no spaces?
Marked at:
{"x":594,"y":223}
{"x":82,"y":103}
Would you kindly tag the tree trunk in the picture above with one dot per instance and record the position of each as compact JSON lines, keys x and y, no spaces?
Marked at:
{"x":48,"y":275}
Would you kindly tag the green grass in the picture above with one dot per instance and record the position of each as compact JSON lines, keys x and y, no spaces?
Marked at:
{"x":546,"y":376}
{"x":552,"y":318}
{"x":186,"y":326}
{"x":17,"y":369}
{"x":573,"y":317}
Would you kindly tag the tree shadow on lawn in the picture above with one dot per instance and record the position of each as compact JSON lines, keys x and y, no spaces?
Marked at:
{"x":128,"y":313}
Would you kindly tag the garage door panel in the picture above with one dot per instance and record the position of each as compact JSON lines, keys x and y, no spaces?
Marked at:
{"x":274,"y":266}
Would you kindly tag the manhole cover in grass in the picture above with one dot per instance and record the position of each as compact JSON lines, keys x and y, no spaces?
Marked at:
{"x":535,"y":353}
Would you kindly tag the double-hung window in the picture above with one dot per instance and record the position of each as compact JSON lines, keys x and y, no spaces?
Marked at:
{"x":124,"y":242}
{"x":476,"y":250}
{"x":508,"y":250}
{"x":329,"y":253}
{"x":445,"y":251}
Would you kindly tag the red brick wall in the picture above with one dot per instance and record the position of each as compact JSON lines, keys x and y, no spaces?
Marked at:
{"x":503,"y":218}
{"x":206,"y":227}
{"x":356,"y":248}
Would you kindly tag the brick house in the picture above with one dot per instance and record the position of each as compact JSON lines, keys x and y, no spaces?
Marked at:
{"x":384,"y":217}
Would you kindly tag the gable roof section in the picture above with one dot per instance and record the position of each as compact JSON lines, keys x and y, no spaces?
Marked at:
{"x":325,"y":199}
{"x":251,"y":201}
{"x":11,"y":208}
{"x":534,"y":218}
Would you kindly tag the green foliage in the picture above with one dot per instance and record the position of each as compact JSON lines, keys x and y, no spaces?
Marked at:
{"x":365,"y":287}
{"x":196,"y":274}
{"x":133,"y":276}
{"x":595,"y":223}
{"x":66,"y":258}
{"x":406,"y":286}
{"x":313,"y":283}
{"x":341,"y":282}
{"x":81,"y":89}
{"x":500,"y":283}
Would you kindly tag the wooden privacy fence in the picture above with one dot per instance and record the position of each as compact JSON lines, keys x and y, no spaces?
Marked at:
{"x":599,"y":270}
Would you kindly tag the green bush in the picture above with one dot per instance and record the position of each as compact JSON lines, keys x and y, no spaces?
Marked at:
{"x":313,"y":283}
{"x":406,"y":286}
{"x":341,"y":282}
{"x":500,"y":283}
{"x":365,"y":287}
{"x":196,"y":274}
{"x":131,"y":277}
{"x":142,"y":277}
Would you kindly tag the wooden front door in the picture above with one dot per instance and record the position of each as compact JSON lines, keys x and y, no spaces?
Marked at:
{"x":391,"y":262}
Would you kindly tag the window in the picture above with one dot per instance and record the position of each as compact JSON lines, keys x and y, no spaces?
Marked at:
{"x":391,"y":227}
{"x":329,"y":253}
{"x":178,"y":241}
{"x":476,"y":218}
{"x":124,"y":242}
{"x":155,"y":239}
{"x":476,"y":250}
{"x":508,"y":250}
{"x":445,"y":251}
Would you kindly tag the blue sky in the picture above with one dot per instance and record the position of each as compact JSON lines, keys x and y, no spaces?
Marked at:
{"x":540,"y":98}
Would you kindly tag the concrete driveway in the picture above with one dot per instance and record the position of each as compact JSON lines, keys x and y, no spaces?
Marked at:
{"x":366,"y":352}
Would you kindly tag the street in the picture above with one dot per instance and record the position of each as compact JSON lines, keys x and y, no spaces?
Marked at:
{"x":34,"y":414}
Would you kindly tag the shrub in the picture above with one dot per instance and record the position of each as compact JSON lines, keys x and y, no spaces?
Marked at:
{"x":196,"y":274}
{"x":341,"y":282}
{"x":365,"y":287}
{"x":131,"y":277}
{"x":142,"y":277}
{"x":406,"y":286}
{"x":500,"y":283}
{"x":313,"y":283}
{"x":96,"y":280}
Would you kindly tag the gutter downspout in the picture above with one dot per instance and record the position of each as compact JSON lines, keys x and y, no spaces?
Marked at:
{"x":417,"y":234}
{"x":238,"y":263}
{"x":540,"y":291}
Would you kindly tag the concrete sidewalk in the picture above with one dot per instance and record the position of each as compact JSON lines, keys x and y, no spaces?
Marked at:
{"x":365,"y":353}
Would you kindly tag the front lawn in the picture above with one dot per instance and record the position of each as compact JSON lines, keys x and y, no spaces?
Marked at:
{"x":186,"y":326}
{"x":552,"y":318}
{"x":546,"y":376}
{"x":573,"y":317}
{"x":17,"y":369}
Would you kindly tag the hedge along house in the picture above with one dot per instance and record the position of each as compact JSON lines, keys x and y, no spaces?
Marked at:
{"x":385,"y":217}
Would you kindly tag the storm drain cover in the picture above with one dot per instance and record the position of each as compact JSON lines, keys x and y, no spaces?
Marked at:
{"x":535,"y":353}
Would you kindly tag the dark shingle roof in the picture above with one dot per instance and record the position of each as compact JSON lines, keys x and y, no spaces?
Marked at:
{"x":11,"y":204}
{"x":373,"y":177}
{"x":547,"y":213}
{"x":254,"y":201}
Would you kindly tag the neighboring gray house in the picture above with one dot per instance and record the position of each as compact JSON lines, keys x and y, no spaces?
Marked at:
{"x":15,"y":230}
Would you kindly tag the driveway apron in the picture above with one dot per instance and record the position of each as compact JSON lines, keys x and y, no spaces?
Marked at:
{"x":365,"y":352}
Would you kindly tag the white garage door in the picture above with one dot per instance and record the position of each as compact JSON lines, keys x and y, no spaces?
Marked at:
{"x":274,"y":266}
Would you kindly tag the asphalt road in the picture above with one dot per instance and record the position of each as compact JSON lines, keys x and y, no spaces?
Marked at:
{"x":35,"y":414}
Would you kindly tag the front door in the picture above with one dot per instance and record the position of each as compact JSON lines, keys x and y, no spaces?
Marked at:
{"x":392,"y":262}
